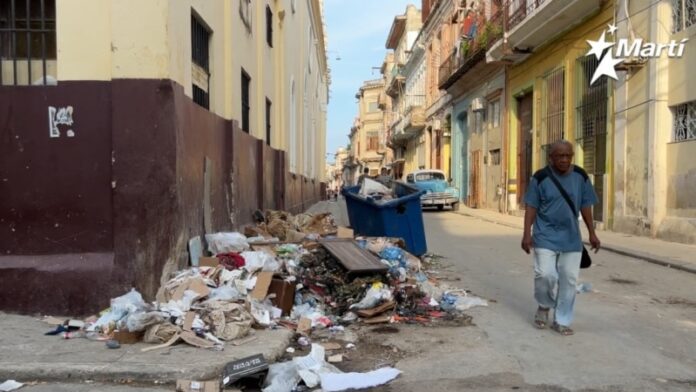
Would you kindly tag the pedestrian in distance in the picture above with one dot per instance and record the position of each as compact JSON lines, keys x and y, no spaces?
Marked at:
{"x":556,"y":240}
{"x":366,"y":174}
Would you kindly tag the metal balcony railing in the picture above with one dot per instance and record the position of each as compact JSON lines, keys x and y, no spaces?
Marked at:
{"x":518,"y":10}
{"x":485,"y":34}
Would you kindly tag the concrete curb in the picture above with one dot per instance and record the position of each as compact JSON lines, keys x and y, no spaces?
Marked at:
{"x":612,"y":248}
{"x":132,"y":372}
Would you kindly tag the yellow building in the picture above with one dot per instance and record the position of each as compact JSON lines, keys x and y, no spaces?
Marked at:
{"x":405,"y":85}
{"x":655,"y":121}
{"x":368,"y":133}
{"x":140,"y":125}
{"x":549,"y":96}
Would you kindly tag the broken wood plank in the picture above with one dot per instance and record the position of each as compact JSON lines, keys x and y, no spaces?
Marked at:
{"x":354,"y":258}
{"x":367,"y":313}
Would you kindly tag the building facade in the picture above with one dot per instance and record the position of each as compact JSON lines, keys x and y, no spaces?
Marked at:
{"x":654,"y":190}
{"x":368,"y":129}
{"x":405,"y":85}
{"x":161,"y":128}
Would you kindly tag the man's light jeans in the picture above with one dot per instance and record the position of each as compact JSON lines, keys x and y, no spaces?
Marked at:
{"x":553,"y":269}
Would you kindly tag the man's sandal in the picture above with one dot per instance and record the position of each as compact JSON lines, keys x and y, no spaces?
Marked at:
{"x":541,"y":318}
{"x":562,"y":329}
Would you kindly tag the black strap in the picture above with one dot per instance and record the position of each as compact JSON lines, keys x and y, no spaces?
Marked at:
{"x":563,"y":192}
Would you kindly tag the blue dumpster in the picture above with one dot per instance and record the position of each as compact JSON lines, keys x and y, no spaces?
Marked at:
{"x":401,"y":217}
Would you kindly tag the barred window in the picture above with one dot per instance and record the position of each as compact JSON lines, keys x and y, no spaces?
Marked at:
{"x":200,"y":59}
{"x":683,"y":14}
{"x":553,"y":107}
{"x":685,"y":122}
{"x":27,"y":42}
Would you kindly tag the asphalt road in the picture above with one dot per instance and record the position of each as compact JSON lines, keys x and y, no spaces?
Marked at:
{"x":635,"y":332}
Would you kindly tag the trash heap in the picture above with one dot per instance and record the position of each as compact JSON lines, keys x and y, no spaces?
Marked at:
{"x":297,"y":272}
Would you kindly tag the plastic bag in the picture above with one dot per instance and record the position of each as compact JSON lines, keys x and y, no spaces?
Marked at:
{"x":392,"y":253}
{"x":373,"y":297}
{"x":121,"y":307}
{"x":224,"y":293}
{"x":226,"y":242}
{"x":262,"y":261}
{"x":370,"y":187}
{"x":140,"y":321}
{"x":282,"y":377}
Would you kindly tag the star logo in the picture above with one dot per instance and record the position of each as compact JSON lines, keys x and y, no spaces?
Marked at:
{"x":602,"y":51}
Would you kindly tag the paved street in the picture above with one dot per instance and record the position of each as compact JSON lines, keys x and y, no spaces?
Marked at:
{"x":636,"y":332}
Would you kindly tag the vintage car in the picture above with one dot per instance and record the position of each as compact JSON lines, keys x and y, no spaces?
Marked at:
{"x":438,"y":193}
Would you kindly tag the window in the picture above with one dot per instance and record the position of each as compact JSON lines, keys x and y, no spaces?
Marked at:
{"x":685,"y":122}
{"x":430,"y":176}
{"x":553,"y":107}
{"x":495,"y":157}
{"x":683,"y":14}
{"x":200,"y":67}
{"x":27,"y":41}
{"x":372,"y":141}
{"x":245,"y":13}
{"x":479,"y":120}
{"x":269,"y":26}
{"x":268,"y":121}
{"x":494,"y":109}
{"x":372,"y":107}
{"x":246,"y":84}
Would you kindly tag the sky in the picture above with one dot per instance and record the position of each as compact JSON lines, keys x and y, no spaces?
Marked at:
{"x":357,"y":32}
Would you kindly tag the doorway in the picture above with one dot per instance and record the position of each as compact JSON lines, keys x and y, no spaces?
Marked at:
{"x":525,"y":120}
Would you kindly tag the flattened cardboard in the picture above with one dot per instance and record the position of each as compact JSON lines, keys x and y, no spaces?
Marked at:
{"x":331,"y":346}
{"x":335,"y":358}
{"x":367,"y":313}
{"x":192,"y":339}
{"x":208,"y":261}
{"x":197,"y":386}
{"x":263,"y":282}
{"x":171,"y":341}
{"x":188,"y":321}
{"x":195,"y":284}
{"x":304,"y":326}
{"x":344,"y":232}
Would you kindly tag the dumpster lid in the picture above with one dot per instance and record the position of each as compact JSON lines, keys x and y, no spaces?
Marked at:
{"x":354,"y":258}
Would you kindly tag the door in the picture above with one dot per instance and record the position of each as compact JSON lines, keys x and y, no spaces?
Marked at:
{"x":475,"y":201}
{"x":438,"y":151}
{"x":524,"y":145}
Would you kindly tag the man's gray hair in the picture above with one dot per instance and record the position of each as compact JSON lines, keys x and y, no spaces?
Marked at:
{"x":558,"y":144}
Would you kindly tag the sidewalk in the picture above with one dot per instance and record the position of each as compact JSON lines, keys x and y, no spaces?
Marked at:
{"x":27,"y":355}
{"x":669,"y":254}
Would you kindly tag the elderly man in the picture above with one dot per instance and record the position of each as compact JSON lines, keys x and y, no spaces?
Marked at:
{"x":556,"y":237}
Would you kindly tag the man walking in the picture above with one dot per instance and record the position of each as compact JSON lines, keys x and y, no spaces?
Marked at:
{"x":556,"y":238}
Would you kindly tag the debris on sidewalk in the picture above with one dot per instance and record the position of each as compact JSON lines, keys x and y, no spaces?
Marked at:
{"x":10,"y":385}
{"x":318,"y":286}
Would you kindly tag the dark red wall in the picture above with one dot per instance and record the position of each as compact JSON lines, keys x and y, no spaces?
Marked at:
{"x":84,"y":219}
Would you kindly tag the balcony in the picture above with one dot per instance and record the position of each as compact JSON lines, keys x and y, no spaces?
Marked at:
{"x":532,"y":23}
{"x":414,"y":120}
{"x":395,"y":82}
{"x":471,"y":54}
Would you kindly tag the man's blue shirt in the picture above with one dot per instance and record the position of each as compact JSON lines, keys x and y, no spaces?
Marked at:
{"x":556,"y":228}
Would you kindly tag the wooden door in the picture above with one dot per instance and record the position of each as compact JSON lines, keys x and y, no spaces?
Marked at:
{"x":524,"y":145}
{"x":475,"y":201}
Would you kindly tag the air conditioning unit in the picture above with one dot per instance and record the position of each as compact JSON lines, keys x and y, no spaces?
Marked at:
{"x":478,"y":104}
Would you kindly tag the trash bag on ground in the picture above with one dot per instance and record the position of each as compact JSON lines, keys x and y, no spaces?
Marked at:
{"x":226,"y":242}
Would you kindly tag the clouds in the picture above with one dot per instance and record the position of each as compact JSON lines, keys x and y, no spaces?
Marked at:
{"x":357,"y":32}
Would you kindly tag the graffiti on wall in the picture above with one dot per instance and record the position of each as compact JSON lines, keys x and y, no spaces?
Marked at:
{"x":60,"y":116}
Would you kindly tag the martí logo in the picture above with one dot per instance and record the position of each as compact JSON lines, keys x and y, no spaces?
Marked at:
{"x":624,"y":49}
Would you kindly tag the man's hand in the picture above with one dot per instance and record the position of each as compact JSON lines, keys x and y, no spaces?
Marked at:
{"x":526,"y":242}
{"x":594,"y":241}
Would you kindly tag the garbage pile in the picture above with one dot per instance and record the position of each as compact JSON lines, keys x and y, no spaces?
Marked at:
{"x":376,"y":191}
{"x":260,"y":280}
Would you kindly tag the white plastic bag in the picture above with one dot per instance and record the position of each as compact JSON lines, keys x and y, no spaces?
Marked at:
{"x":121,"y":307}
{"x":374,"y":296}
{"x":260,"y":261}
{"x":140,"y":321}
{"x":371,"y":186}
{"x":226,"y":242}
{"x":224,"y":293}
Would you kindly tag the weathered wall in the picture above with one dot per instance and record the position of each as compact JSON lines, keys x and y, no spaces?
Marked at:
{"x":85,"y":218}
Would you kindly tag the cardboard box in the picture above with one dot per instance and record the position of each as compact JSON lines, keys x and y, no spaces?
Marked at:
{"x":127,"y":337}
{"x":197,"y":386}
{"x":263,"y":283}
{"x":208,"y":262}
{"x":284,"y":295}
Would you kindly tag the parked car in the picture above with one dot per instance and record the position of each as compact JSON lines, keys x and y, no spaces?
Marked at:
{"x":438,"y":192}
